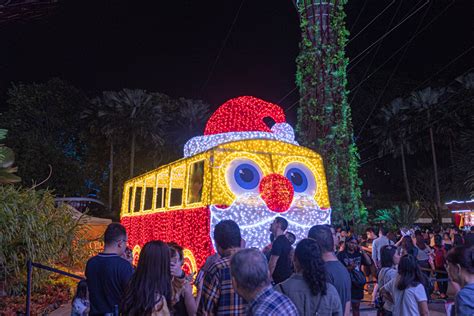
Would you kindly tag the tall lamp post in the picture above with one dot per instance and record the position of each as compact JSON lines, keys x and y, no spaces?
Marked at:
{"x":324,"y":117}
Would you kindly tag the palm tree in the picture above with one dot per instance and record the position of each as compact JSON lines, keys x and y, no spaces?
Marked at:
{"x":193,"y":115}
{"x":139,"y":116}
{"x":102,"y":120}
{"x":426,"y":101}
{"x":391,"y":135}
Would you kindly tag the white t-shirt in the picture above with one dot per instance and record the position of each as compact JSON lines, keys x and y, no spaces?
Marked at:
{"x":406,"y":302}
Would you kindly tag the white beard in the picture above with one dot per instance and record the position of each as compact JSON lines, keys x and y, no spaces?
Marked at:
{"x":252,"y":215}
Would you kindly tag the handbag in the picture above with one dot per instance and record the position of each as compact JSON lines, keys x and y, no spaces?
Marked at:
{"x":357,"y":278}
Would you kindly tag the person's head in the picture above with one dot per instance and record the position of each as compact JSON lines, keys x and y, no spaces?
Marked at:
{"x":383,"y":231}
{"x":340,"y":246}
{"x":309,"y":262}
{"x":81,"y":290}
{"x":409,"y":272}
{"x":370,"y":233}
{"x":152,"y":277}
{"x":343,"y":233}
{"x":407,"y":242}
{"x":323,"y":236}
{"x":279,"y":225}
{"x":176,"y":253}
{"x":249,"y":270}
{"x":291,"y":237}
{"x":461,"y":264}
{"x":227,"y":236}
{"x":389,"y":256}
{"x":438,"y":241}
{"x":351,"y":244}
{"x":457,"y":240}
{"x":115,"y":239}
{"x":446,"y":237}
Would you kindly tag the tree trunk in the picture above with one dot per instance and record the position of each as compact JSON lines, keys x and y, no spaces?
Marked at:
{"x":132,"y":155}
{"x":405,"y":175}
{"x":435,"y":169}
{"x":111,"y":174}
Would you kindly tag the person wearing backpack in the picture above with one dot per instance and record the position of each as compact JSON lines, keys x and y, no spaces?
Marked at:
{"x":352,"y":258}
{"x":389,"y":259}
{"x":440,"y":263}
{"x":407,"y":291}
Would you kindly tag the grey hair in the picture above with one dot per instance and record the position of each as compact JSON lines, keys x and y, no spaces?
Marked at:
{"x":249,"y":267}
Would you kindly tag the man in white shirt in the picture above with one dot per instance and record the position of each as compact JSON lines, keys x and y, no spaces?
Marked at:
{"x":378,"y":243}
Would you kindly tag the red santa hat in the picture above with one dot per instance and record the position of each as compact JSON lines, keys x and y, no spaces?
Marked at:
{"x":239,"y":119}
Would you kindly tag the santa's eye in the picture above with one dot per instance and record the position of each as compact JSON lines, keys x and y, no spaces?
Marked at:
{"x":298,"y":179}
{"x":243,"y":175}
{"x":301,"y":178}
{"x":247,"y":176}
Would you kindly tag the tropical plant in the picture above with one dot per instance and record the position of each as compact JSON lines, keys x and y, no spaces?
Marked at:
{"x":392,"y":135}
{"x":7,"y":158}
{"x":426,"y":101}
{"x":138,"y":116}
{"x":45,"y":130}
{"x":404,"y":215}
{"x":101,"y":117}
{"x":34,"y":228}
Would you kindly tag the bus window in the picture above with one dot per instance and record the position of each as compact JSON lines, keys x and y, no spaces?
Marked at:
{"x":161,"y":189}
{"x":130,"y":199}
{"x":138,"y":199}
{"x":195,"y":182}
{"x":150,"y":184}
{"x":177,"y":185}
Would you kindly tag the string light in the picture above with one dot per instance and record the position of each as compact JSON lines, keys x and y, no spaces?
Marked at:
{"x":240,"y":170}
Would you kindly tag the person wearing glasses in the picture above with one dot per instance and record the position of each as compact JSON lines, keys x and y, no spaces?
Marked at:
{"x":108,"y":273}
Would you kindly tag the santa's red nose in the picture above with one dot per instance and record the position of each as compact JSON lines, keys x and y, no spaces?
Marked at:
{"x":277,"y":192}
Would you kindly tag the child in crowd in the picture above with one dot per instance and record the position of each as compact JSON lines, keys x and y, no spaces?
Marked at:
{"x":80,"y":302}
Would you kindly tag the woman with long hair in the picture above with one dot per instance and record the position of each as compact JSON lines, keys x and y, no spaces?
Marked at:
{"x":407,"y":291}
{"x":149,"y":290}
{"x":353,"y":258}
{"x":461,"y":271}
{"x":307,"y":287}
{"x":389,"y":259}
{"x":407,"y":247}
{"x":447,"y":242}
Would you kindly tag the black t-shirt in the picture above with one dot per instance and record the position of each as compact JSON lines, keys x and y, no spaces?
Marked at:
{"x":107,"y":277}
{"x":281,"y":247}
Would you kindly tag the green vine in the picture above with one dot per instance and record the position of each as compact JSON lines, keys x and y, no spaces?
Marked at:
{"x":324,"y":116}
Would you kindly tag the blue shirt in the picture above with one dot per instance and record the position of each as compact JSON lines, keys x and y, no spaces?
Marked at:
{"x":465,"y":300}
{"x":272,"y":303}
{"x":107,"y":277}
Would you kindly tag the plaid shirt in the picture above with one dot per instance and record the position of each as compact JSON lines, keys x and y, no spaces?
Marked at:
{"x":218,"y":294}
{"x":271,"y":303}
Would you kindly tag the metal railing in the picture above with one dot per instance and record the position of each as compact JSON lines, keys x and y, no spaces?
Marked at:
{"x":29,"y":271}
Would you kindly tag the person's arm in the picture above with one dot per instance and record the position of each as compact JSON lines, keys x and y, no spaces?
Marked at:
{"x":210,"y":294}
{"x":423,"y":308}
{"x":189,"y":301}
{"x":272,"y":263}
{"x":347,"y":309}
{"x":275,"y":253}
{"x":374,"y":252}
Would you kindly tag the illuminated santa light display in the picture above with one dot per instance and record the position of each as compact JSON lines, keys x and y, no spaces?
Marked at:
{"x":240,"y":169}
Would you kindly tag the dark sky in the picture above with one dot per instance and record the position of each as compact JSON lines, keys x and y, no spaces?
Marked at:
{"x":171,"y":46}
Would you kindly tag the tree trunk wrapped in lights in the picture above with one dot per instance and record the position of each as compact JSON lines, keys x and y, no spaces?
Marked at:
{"x":324,"y":117}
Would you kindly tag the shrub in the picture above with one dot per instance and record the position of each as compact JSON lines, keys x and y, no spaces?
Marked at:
{"x":33,"y":227}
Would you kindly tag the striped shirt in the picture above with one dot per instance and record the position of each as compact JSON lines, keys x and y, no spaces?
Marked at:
{"x":218,"y":295}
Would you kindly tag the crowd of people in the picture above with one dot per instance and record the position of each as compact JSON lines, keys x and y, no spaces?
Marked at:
{"x":328,"y":273}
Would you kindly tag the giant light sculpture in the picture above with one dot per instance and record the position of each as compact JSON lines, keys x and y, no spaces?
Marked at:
{"x":240,"y":169}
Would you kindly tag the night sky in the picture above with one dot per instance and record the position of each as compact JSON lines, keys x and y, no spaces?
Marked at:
{"x":173,"y":47}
